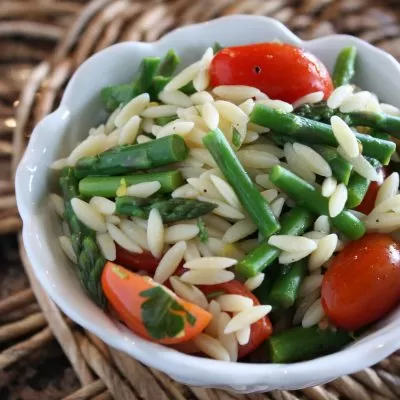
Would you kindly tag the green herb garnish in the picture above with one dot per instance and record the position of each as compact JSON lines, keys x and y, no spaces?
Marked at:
{"x":162,"y":315}
{"x":217,"y":47}
{"x":236,"y":138}
{"x":203,"y":234}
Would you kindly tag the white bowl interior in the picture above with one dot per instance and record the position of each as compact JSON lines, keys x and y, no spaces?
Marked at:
{"x":81,"y":108}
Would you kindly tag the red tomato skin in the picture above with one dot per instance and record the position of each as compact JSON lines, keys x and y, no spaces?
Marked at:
{"x":368,"y":202}
{"x":260,"y":330}
{"x":123,"y":292}
{"x":363,"y":282}
{"x":137,"y":261}
{"x":282,"y":71}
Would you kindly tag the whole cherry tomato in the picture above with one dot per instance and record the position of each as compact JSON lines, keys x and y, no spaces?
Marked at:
{"x":363,"y":282}
{"x":281,"y":71}
{"x":368,"y":203}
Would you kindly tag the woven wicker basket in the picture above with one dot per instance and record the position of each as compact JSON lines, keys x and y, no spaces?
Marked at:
{"x":42,"y":42}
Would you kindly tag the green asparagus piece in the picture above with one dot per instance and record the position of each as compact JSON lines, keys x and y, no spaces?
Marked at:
{"x":165,"y":120}
{"x":170,"y":209}
{"x":319,"y":112}
{"x":113,"y":96}
{"x":157,"y":86}
{"x":309,"y":197}
{"x":344,"y":69}
{"x":379,"y":135}
{"x":380,"y":123}
{"x":284,"y":291}
{"x":249,"y":196}
{"x":313,"y":132}
{"x":159,"y":83}
{"x":299,"y":344}
{"x":263,"y":291}
{"x":294,"y":222}
{"x":147,"y":70}
{"x":90,"y":260}
{"x":356,"y":190}
{"x":358,"y":186}
{"x":341,"y":169}
{"x":128,"y":158}
{"x":169,"y":64}
{"x":107,"y":186}
{"x":90,"y":267}
{"x":188,"y":89}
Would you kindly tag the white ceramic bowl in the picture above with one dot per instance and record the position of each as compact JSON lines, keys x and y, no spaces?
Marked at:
{"x":80,"y":109}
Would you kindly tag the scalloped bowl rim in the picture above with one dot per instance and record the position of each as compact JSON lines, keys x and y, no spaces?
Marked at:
{"x":237,"y":376}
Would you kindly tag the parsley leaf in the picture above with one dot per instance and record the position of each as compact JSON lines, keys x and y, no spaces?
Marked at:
{"x":236,"y":138}
{"x":203,"y":234}
{"x":163,"y":317}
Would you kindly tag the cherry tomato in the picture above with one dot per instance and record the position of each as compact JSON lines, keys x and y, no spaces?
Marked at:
{"x":260,"y":330}
{"x":363,"y":282}
{"x":138,"y":261}
{"x":281,"y":71}
{"x":123,"y":288}
{"x":368,"y":203}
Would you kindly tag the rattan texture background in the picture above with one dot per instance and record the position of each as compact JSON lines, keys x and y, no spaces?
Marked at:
{"x":42,"y":42}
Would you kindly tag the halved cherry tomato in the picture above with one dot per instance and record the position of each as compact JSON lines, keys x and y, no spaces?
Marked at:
{"x":122,"y":289}
{"x":260,"y":330}
{"x":281,"y":71}
{"x":363,"y":282}
{"x":138,"y":261}
{"x":368,"y":203}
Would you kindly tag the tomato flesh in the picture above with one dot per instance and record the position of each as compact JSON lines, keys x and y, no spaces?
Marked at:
{"x":281,"y":71}
{"x":363,"y":282}
{"x":260,"y":330}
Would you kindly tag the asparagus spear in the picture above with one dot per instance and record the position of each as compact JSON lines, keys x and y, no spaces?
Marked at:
{"x":299,"y":344}
{"x":90,"y":260}
{"x":308,"y":131}
{"x":170,"y":209}
{"x":127,"y":158}
{"x":294,"y":222}
{"x":107,"y":186}
{"x":319,"y":112}
{"x":356,"y":190}
{"x":344,"y":70}
{"x":113,"y":96}
{"x":157,"y":86}
{"x":358,"y":186}
{"x":284,"y":291}
{"x":159,"y":83}
{"x":249,"y":196}
{"x":341,"y":169}
{"x":309,"y":197}
{"x":378,"y":121}
{"x":168,"y":64}
{"x":263,"y":291}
